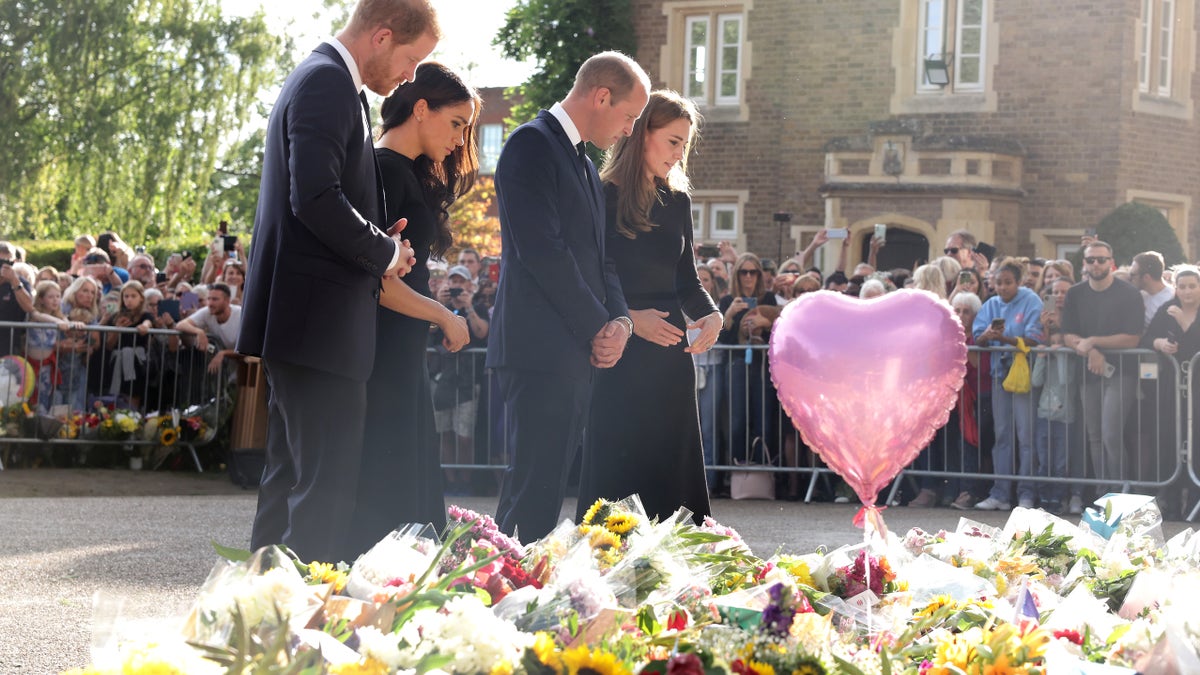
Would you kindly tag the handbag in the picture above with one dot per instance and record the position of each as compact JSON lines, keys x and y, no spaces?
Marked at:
{"x":753,"y":484}
{"x":1018,"y":380}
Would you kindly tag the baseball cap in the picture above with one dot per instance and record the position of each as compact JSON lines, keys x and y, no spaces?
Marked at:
{"x":459,"y":270}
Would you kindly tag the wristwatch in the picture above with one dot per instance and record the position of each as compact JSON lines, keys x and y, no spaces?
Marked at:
{"x":628,"y":323}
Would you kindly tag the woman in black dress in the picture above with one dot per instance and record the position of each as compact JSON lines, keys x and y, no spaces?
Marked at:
{"x":427,"y":159}
{"x":644,"y":431}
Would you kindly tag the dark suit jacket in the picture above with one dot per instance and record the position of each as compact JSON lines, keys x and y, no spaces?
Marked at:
{"x":557,"y":286}
{"x":312,"y":283}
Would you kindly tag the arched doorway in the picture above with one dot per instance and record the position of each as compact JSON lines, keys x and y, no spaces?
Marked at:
{"x":905,"y":248}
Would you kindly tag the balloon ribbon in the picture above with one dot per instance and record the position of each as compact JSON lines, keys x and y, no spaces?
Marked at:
{"x":872,"y":516}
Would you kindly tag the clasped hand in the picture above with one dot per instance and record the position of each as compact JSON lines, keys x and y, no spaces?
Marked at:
{"x":407,"y":257}
{"x":608,"y":345}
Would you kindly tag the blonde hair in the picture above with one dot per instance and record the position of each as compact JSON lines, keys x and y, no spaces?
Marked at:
{"x":40,"y":293}
{"x":83,"y":314}
{"x":929,"y":277}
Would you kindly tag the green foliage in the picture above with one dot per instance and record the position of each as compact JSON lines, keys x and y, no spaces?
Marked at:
{"x":115,"y":114}
{"x":57,"y":252}
{"x":560,"y":35}
{"x":1133,"y":228}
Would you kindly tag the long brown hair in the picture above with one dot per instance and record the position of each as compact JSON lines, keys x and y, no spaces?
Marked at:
{"x":624,"y":165}
{"x":441,"y":183}
{"x":760,"y":284}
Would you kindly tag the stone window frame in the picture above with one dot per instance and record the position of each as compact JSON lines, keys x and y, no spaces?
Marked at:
{"x":707,"y":203}
{"x":673,"y":57}
{"x":1151,"y":94}
{"x":909,"y":97}
{"x":487,"y":162}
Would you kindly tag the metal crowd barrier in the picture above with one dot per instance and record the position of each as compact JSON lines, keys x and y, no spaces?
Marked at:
{"x":168,"y":385}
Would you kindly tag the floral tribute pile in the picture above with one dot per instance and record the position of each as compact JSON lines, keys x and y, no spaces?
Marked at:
{"x":621,"y":594}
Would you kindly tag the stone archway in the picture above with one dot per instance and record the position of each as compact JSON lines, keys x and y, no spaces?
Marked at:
{"x":910,"y":240}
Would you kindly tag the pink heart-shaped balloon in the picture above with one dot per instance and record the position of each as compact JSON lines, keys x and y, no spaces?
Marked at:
{"x":868,"y":382}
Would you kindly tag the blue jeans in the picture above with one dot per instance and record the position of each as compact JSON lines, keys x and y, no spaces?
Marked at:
{"x":709,"y":400}
{"x":1013,"y":415}
{"x":1052,"y":449}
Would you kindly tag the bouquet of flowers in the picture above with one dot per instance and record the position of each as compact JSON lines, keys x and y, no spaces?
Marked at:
{"x":118,"y":424}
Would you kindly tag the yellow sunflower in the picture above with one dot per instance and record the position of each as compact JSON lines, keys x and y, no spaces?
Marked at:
{"x":620,"y":523}
{"x":760,"y":668}
{"x":590,"y":516}
{"x":503,"y":668}
{"x":366,"y":667}
{"x":326,"y":573}
{"x":599,"y":538}
{"x":546,"y":651}
{"x":582,"y":661}
{"x":168,"y":436}
{"x":934,"y":605}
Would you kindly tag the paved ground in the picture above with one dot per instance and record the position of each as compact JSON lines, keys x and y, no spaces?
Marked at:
{"x":143,"y":538}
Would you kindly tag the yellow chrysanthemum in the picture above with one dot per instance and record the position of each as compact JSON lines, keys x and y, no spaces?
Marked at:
{"x":503,"y":668}
{"x":958,"y":650}
{"x":326,"y":573}
{"x":1001,"y":666}
{"x":620,"y":523}
{"x":367,"y":667}
{"x":546,"y":651}
{"x":582,"y":661}
{"x":798,"y":569}
{"x":1035,"y":642}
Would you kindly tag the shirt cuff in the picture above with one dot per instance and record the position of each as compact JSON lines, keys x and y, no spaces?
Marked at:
{"x":395,"y":256}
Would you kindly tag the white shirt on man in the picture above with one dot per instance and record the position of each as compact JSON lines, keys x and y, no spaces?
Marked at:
{"x":228,"y":331}
{"x":1153,"y":302}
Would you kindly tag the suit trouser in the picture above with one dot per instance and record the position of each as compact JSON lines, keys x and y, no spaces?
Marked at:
{"x":314,"y":446}
{"x":544,"y":418}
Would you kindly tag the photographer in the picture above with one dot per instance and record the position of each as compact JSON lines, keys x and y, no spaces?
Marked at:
{"x":181,"y":268}
{"x":224,"y":247}
{"x":16,"y":300}
{"x":97,"y":265}
{"x":457,"y":376}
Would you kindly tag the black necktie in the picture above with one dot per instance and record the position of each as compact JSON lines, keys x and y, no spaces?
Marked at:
{"x":362,"y":96}
{"x":579,"y":147}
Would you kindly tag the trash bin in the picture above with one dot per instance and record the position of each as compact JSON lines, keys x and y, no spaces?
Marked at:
{"x":248,"y":433}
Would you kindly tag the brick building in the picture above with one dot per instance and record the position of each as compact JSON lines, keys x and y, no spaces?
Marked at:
{"x":1050,"y":115}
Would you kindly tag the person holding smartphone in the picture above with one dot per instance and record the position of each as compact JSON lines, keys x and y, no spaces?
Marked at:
{"x":745,"y":323}
{"x":1015,"y":312}
{"x":1174,"y":333}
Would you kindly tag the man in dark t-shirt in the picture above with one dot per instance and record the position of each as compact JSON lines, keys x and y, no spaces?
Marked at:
{"x":16,"y":301}
{"x":1105,"y":313}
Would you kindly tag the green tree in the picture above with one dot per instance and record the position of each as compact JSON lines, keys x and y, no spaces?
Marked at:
{"x":114,"y":114}
{"x":560,"y":35}
{"x":1133,"y":228}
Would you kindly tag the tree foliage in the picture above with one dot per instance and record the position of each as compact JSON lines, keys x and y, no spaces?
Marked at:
{"x":1132,"y":228}
{"x":117,"y":114}
{"x":560,"y":35}
{"x":473,"y":227}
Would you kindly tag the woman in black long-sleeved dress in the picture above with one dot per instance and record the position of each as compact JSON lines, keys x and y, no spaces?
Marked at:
{"x":644,"y":431}
{"x":427,"y":160}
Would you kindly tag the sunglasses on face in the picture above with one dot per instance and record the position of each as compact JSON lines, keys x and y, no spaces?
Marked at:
{"x":748,"y":272}
{"x":1092,"y":260}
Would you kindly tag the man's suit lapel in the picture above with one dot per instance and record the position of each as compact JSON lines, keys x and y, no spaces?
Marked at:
{"x":582,"y":168}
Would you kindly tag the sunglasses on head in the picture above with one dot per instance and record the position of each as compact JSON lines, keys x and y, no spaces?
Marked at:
{"x":1093,"y":259}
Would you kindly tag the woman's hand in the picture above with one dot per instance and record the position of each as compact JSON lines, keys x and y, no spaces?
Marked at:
{"x":455,"y":333}
{"x":709,"y":327}
{"x":648,"y":324}
{"x":755,"y":323}
{"x":738,"y":305}
{"x":1166,"y":346}
{"x":143,"y":327}
{"x":123,"y":321}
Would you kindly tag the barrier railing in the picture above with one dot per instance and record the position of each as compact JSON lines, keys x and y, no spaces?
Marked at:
{"x":106,"y":385}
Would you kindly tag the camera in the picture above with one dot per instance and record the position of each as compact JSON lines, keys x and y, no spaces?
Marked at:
{"x":455,"y":292}
{"x":160,"y":277}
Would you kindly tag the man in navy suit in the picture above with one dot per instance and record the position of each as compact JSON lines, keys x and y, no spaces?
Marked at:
{"x":559,"y":309}
{"x":319,"y":252}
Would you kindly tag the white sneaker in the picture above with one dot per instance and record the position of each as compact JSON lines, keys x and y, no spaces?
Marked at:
{"x":993,"y":504}
{"x":1075,"y":507}
{"x":1025,"y":503}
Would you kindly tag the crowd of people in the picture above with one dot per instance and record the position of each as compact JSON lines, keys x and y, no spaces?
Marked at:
{"x":146,"y":367}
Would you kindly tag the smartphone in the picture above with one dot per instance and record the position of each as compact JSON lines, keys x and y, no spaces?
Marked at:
{"x":837,"y":232}
{"x":987,"y":250}
{"x":998,"y":324}
{"x":188,"y":302}
{"x":455,"y":292}
{"x":223,"y":227}
{"x":160,"y":277}
{"x":184,"y":255}
{"x":965,"y":278}
{"x":750,"y":302}
{"x":708,"y":251}
{"x":169,"y":307}
{"x":1109,"y":370}
{"x":1090,"y":232}
{"x":881,"y":231}
{"x":230,"y":242}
